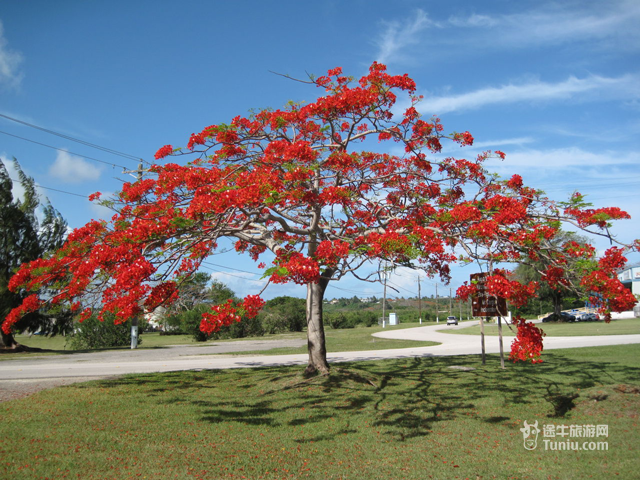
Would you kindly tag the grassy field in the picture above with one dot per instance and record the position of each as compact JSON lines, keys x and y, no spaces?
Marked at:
{"x":353,"y":339}
{"x":625,"y":326}
{"x":414,"y":418}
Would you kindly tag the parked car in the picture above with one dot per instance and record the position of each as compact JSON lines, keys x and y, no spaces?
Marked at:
{"x":563,"y":317}
{"x":452,"y":321}
{"x":587,"y":317}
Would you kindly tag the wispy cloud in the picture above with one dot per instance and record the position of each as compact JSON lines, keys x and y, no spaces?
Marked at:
{"x":71,"y":169}
{"x":626,"y":87}
{"x":571,"y":157}
{"x":398,"y":35}
{"x":11,"y":73}
{"x":612,"y":27}
{"x":242,"y":283}
{"x":554,"y":23}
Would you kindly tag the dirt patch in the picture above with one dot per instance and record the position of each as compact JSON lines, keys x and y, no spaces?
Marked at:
{"x":15,"y":389}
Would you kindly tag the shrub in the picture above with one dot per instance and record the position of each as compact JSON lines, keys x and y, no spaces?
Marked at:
{"x":92,"y":333}
{"x":284,"y":314}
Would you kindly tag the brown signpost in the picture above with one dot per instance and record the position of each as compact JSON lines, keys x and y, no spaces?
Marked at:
{"x":485,"y":305}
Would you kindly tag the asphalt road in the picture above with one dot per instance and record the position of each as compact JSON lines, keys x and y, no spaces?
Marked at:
{"x":218,"y":356}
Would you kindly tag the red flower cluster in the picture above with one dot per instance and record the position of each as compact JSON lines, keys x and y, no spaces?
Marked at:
{"x":163,"y":152}
{"x":220,"y":316}
{"x":527,"y":346}
{"x":463,"y":139}
{"x":295,"y":267}
{"x":252,"y":305}
{"x":29,"y":304}
{"x":331,"y":252}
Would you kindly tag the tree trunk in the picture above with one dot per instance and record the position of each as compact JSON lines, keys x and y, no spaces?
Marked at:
{"x":9,"y":341}
{"x":315,"y":327}
{"x":557,"y":303}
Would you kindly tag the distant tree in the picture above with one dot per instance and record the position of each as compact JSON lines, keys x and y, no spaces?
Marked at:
{"x":197,"y":296}
{"x":194,"y":290}
{"x":284,"y":314}
{"x":559,"y":294}
{"x":219,"y":292}
{"x":29,"y":229}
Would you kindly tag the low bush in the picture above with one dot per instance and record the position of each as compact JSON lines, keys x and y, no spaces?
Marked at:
{"x":92,"y":334}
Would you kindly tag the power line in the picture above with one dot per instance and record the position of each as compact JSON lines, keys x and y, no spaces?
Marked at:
{"x":229,"y":268}
{"x":344,"y":289}
{"x":51,"y":188}
{"x":402,"y":288}
{"x":73,"y":139}
{"x":235,"y":276}
{"x":63,"y":150}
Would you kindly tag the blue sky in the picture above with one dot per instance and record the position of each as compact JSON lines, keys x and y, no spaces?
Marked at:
{"x":555,"y":85}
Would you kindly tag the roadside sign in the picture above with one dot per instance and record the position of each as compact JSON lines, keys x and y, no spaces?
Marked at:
{"x":483,"y":304}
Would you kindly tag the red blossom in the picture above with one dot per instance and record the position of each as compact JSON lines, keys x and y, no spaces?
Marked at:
{"x":220,"y":316}
{"x":515,"y":182}
{"x":163,"y":152}
{"x":527,"y":346}
{"x":252,"y":305}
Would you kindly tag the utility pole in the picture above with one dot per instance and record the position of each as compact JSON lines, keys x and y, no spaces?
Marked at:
{"x":419,"y":301}
{"x":384,"y":295}
{"x":437,"y":315}
{"x":450,"y":301}
{"x":134,"y":320}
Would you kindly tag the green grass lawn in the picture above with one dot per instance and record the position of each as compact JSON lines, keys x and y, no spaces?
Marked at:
{"x":351,"y":339}
{"x":625,"y":326}
{"x":415,"y":418}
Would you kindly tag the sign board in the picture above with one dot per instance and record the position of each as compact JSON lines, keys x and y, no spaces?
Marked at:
{"x":483,"y":304}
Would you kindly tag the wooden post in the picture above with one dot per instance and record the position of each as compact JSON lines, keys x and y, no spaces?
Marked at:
{"x":419,"y":301}
{"x":134,"y":320}
{"x":484,"y":360}
{"x":500,"y":340}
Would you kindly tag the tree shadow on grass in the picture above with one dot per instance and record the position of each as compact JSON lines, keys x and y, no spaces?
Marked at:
{"x":403,"y":398}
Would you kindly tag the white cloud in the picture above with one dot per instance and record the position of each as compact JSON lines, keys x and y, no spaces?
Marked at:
{"x":597,"y":87}
{"x":71,"y":169}
{"x":11,"y":73}
{"x":569,"y":157}
{"x":397,"y":36}
{"x":493,"y":144}
{"x":474,"y":20}
{"x":615,"y":19}
{"x":558,"y":23}
{"x":241,"y":283}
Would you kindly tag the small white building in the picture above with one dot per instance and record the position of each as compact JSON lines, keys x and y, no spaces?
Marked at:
{"x":630,"y":278}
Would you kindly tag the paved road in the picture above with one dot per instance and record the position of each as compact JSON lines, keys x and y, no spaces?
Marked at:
{"x":102,"y":364}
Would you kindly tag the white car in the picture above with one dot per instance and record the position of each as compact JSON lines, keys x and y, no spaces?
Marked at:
{"x":452,"y":321}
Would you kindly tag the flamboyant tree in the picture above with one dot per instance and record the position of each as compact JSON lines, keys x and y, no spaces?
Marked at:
{"x":312,"y":194}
